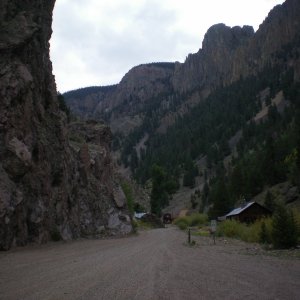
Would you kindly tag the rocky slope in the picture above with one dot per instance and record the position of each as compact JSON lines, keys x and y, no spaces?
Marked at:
{"x":48,"y":188}
{"x":124,"y":107}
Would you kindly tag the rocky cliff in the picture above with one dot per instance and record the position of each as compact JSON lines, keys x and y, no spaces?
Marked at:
{"x":227,"y":54}
{"x":230,"y":53}
{"x":49,"y":188}
{"x":212,"y":64}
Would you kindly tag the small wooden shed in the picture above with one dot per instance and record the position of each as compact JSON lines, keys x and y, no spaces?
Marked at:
{"x":248,"y":212}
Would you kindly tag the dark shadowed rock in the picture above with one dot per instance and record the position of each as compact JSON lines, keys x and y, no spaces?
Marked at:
{"x":47,"y":188}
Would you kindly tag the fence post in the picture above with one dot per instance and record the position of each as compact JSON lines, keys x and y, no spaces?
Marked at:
{"x":189,"y":236}
{"x":213,"y":229}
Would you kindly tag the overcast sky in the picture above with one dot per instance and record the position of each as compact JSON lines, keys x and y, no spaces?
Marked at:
{"x":95,"y":42}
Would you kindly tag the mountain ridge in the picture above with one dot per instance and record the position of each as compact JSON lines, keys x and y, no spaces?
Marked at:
{"x":226,"y":55}
{"x":192,"y":112}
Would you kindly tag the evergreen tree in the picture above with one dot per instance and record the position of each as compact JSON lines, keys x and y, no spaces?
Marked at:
{"x":190,"y":174}
{"x":159,"y":196}
{"x":134,"y":160}
{"x":269,"y":201}
{"x":284,"y":233}
{"x":219,"y":196}
{"x":62,"y":104}
{"x":269,"y":162}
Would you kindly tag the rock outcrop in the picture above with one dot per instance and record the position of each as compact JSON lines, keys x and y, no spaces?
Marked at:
{"x":230,"y":53}
{"x":48,"y":188}
{"x":211,"y":65}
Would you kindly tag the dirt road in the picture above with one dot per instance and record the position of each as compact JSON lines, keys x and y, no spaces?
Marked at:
{"x":155,"y":264}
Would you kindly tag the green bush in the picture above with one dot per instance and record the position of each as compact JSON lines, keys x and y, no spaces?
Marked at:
{"x":284,"y":231}
{"x":192,"y":220}
{"x":182,"y":223}
{"x":129,"y":196}
{"x":251,"y":233}
{"x":231,"y":228}
{"x":265,"y":234}
{"x":258,"y":232}
{"x":135,"y":226}
{"x":197,"y":219}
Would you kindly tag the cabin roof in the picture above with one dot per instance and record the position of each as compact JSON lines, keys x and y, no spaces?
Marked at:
{"x":238,"y":210}
{"x":139,"y":215}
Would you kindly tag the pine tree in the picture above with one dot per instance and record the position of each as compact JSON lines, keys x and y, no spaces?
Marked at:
{"x":159,"y":196}
{"x":284,"y":232}
{"x":269,"y":201}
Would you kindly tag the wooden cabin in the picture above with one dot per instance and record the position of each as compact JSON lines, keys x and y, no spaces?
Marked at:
{"x":248,"y":212}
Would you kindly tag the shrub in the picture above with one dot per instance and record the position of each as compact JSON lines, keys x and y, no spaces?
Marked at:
{"x":192,"y":220}
{"x":129,"y":196}
{"x":197,"y":219}
{"x":284,"y":231}
{"x":182,"y":223}
{"x":230,"y":228}
{"x":135,"y":226}
{"x":296,"y":214}
{"x":265,"y":234}
{"x":249,"y":233}
{"x":258,"y":230}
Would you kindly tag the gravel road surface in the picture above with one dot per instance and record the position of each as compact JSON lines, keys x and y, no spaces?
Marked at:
{"x":155,"y":264}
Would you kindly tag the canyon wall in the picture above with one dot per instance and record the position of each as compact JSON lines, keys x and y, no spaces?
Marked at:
{"x":49,"y":188}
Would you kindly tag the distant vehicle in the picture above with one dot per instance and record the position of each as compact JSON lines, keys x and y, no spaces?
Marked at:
{"x":167,"y":218}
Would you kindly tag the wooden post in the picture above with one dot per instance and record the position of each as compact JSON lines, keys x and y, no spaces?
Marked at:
{"x":213,"y":229}
{"x":189,"y":236}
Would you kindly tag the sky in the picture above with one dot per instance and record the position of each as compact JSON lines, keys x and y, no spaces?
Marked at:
{"x":96,"y":42}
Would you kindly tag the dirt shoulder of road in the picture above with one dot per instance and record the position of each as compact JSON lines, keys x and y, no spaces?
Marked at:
{"x":236,"y":246}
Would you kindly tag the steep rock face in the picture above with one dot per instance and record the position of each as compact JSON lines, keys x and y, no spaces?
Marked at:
{"x":101,"y":200}
{"x":141,"y":82}
{"x":138,"y":87}
{"x":213,"y":63}
{"x":277,"y":33}
{"x":229,"y":53}
{"x":42,"y":190}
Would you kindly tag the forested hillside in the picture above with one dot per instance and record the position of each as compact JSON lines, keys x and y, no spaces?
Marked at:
{"x":265,"y":154}
{"x":224,"y":123}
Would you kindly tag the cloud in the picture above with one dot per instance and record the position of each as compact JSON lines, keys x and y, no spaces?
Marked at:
{"x":95,"y":42}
